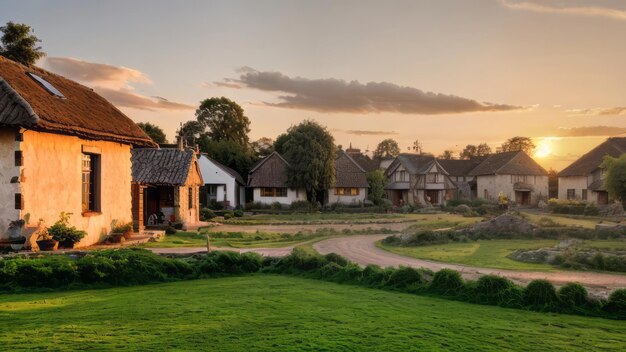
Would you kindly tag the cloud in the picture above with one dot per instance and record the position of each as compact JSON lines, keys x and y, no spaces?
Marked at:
{"x":589,"y":131}
{"x":589,"y":11}
{"x":619,"y":110}
{"x":338,"y":96}
{"x":369,"y":133}
{"x":112,"y":82}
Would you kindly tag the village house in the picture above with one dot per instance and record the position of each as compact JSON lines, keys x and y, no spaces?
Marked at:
{"x":584,"y":178}
{"x":515,"y":174}
{"x":350,"y":182}
{"x":166,"y":187}
{"x":459,"y":172}
{"x":63,"y":148}
{"x":418,"y":180}
{"x":268,"y":180}
{"x":221,"y":184}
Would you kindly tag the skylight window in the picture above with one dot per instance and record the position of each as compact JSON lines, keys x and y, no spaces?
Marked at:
{"x":46,"y":85}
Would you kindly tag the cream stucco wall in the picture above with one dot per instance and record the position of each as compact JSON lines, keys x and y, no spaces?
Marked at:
{"x":494,"y":184}
{"x":8,"y":170}
{"x":578,"y":183}
{"x":292,"y":196}
{"x":52,"y":182}
{"x":347,"y":199}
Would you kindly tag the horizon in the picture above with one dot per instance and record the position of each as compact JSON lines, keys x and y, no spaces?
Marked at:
{"x":447,"y":74}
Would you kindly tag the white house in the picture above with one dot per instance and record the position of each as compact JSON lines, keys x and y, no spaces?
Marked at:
{"x":350,"y":182}
{"x":221,"y":184}
{"x":268,"y":180}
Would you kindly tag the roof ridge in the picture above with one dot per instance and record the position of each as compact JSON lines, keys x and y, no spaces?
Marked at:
{"x":352,"y":160}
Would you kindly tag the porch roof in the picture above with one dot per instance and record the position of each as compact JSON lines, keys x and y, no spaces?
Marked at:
{"x":164,"y":167}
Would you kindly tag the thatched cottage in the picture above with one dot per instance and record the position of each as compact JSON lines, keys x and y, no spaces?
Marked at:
{"x":584,"y":178}
{"x":63,"y":148}
{"x":268,"y":180}
{"x":350,"y":182}
{"x":166,"y":187}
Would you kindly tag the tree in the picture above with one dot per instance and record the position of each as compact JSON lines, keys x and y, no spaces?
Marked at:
{"x":446,"y":155}
{"x":475,"y":151}
{"x":153,"y":131}
{"x":388,"y":148}
{"x":519,"y":143}
{"x":263,"y":147}
{"x":615,"y":177}
{"x":417,"y":147}
{"x":229,"y":153}
{"x":191,"y":131}
{"x":377,"y":182}
{"x":18,"y":44}
{"x":224,"y":119}
{"x":279,"y":143}
{"x":310,"y":150}
{"x":553,"y":183}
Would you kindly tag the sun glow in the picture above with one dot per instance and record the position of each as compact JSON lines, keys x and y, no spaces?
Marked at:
{"x":543,"y":149}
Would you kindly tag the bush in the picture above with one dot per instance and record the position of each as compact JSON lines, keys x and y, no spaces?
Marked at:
{"x":373,"y":275}
{"x":617,"y":303}
{"x":336,"y":258}
{"x":276,"y":206}
{"x":404,"y":277}
{"x":447,"y":282}
{"x":301,"y":206}
{"x":62,"y":232}
{"x":331,"y":269}
{"x":206,"y":214}
{"x":540,"y":295}
{"x":496,"y":290}
{"x":238,"y":213}
{"x":573,"y":295}
{"x":178,"y":225}
{"x":170,"y":230}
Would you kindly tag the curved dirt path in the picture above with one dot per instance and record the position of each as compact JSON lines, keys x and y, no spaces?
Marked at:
{"x":362,"y":249}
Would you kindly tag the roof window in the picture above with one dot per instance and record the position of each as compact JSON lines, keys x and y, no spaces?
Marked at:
{"x":46,"y":85}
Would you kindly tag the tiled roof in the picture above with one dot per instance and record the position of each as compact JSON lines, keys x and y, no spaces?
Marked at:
{"x":82,"y":113}
{"x":414,"y":163}
{"x":457,"y":167}
{"x":270,"y":171}
{"x":509,"y":163}
{"x":368,"y":164}
{"x":162,"y":166}
{"x":587,"y":163}
{"x":348,"y":173}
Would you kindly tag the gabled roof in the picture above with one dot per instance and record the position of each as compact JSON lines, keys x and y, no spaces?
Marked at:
{"x":270,"y":171}
{"x":458,"y":167}
{"x":163,"y":166}
{"x":589,"y":162}
{"x":82,"y":112}
{"x":348,"y":173}
{"x":368,"y":164}
{"x":509,"y":163}
{"x":414,"y":163}
{"x":234,"y":174}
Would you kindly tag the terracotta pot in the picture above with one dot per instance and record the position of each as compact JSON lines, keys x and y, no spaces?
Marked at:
{"x":66,"y":244}
{"x":116,"y":237}
{"x":128,"y":234}
{"x":48,"y":245}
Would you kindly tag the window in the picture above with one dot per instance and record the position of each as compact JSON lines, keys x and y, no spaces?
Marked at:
{"x":91,"y":183}
{"x":431,"y":177}
{"x":274,"y":192}
{"x":190,"y":196}
{"x":340,"y":191}
{"x":354,"y":191}
{"x":401,"y":176}
{"x":518,"y":178}
{"x":46,"y":85}
{"x":212,"y":190}
{"x":571,"y":194}
{"x":344,"y":191}
{"x":584,"y":195}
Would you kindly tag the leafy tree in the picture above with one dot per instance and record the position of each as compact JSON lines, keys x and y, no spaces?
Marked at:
{"x":553,"y":183}
{"x":310,"y":150}
{"x":224,"y":119}
{"x":388,"y":148}
{"x":279,"y":143}
{"x":519,"y":143}
{"x":230,"y":153}
{"x":417,"y":147}
{"x":475,"y":151}
{"x":18,"y":44}
{"x":377,"y":182}
{"x":446,"y":155}
{"x":153,"y":131}
{"x":191,"y":131}
{"x":615,"y":179}
{"x":263,"y":147}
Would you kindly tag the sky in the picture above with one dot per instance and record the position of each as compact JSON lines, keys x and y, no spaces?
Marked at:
{"x":447,"y":73}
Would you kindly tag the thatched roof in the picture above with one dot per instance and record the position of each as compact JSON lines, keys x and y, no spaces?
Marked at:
{"x":270,"y":171}
{"x":169,"y":167}
{"x":589,"y":162}
{"x":82,"y":112}
{"x":368,"y":164}
{"x":509,"y":163}
{"x":348,"y":173}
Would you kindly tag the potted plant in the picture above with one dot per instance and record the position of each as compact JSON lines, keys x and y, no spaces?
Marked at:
{"x":125,"y":229}
{"x":45,"y":242}
{"x":66,"y":235}
{"x":15,"y":234}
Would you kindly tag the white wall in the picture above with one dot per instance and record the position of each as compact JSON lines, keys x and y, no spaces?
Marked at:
{"x":213,"y":174}
{"x":292,"y":196}
{"x":347,"y":199}
{"x":494,"y":184}
{"x":8,"y":170}
{"x":578,"y":183}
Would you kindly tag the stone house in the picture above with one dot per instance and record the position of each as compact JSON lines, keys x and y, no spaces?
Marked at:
{"x":268,"y":181}
{"x":584,"y":178}
{"x":459,"y":172}
{"x":221,"y":184}
{"x":515,"y":174}
{"x":63,"y":148}
{"x":418,"y":180}
{"x":350,"y":182}
{"x":166,"y":187}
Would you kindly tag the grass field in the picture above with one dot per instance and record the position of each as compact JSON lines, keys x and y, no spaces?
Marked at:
{"x":340,"y":218}
{"x":234,"y":240}
{"x":276,"y":313}
{"x":564,"y":220}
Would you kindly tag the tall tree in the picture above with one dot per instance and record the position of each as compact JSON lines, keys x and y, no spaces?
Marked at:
{"x":377,"y":181}
{"x":191,"y":131}
{"x":19,"y":44}
{"x":224,"y":119}
{"x":472,"y":151}
{"x":263,"y":147}
{"x":518,"y":143}
{"x":229,"y":153}
{"x":153,"y":131}
{"x":310,"y":150}
{"x":615,"y":179}
{"x":553,"y":183}
{"x":417,"y":147}
{"x":388,"y":148}
{"x":446,"y":155}
{"x":279,"y":143}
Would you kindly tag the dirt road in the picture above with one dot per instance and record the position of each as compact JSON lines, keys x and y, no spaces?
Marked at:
{"x":362,"y":250}
{"x":395,"y":226}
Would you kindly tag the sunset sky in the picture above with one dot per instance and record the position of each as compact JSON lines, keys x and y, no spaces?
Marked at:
{"x":445,"y":72}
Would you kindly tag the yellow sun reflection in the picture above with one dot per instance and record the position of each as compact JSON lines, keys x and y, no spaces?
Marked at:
{"x":543,"y":149}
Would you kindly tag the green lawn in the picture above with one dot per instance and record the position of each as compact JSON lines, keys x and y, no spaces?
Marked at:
{"x":486,"y":254}
{"x":333,"y":218}
{"x":586,"y":222}
{"x":277,"y":313}
{"x":234,"y":240}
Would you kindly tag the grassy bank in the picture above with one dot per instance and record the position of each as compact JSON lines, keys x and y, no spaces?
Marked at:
{"x":267,"y":312}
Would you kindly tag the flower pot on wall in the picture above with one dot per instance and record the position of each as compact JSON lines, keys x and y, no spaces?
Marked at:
{"x":67,"y":244}
{"x":48,"y":245}
{"x":17,"y":243}
{"x":116,"y":237}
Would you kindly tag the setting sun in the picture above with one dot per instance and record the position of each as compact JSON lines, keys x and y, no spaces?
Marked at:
{"x":543,"y":150}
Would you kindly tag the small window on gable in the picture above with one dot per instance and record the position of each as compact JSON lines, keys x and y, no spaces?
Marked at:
{"x":46,"y":85}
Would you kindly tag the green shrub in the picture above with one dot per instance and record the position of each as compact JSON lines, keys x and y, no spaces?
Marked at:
{"x":404,"y":277}
{"x":276,"y":206}
{"x":238,"y":213}
{"x":496,"y":290}
{"x":206,"y":214}
{"x":573,"y":295}
{"x":170,"y":230}
{"x":540,"y":295}
{"x":447,"y":282}
{"x":62,"y":232}
{"x":331,"y":269}
{"x":301,"y":206}
{"x":336,"y":258}
{"x":373,"y":275}
{"x":617,"y":303}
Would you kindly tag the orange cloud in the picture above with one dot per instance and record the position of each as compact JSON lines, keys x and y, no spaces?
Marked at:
{"x":590,"y":11}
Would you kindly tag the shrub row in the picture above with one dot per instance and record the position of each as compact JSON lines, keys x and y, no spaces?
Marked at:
{"x":137,"y":266}
{"x":572,"y":207}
